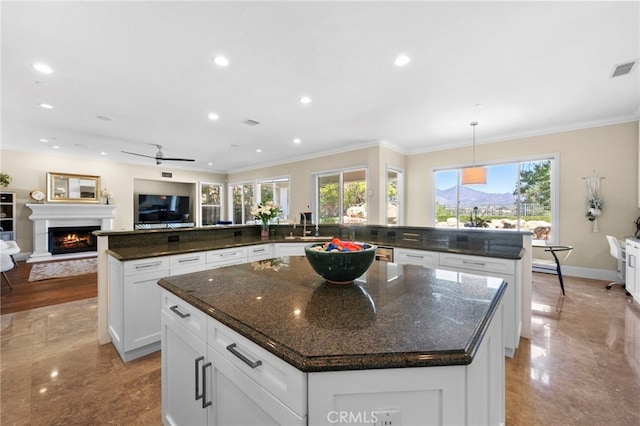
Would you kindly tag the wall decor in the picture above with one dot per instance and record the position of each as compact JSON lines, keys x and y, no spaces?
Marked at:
{"x":72,"y":188}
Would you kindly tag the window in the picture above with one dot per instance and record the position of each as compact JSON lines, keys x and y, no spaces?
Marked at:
{"x":394,"y":196}
{"x":519,"y":196}
{"x":276,"y":190}
{"x":342,"y":196}
{"x":241,"y":202}
{"x":210,"y":203}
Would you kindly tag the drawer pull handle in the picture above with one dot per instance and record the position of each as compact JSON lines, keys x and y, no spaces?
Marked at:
{"x":233,"y":253}
{"x":198,"y":393}
{"x":253,"y":364}
{"x":470,"y":262}
{"x":205,"y":403}
{"x":177,"y":312}
{"x":148,"y":265}
{"x":258,"y":250}
{"x":190,"y":259}
{"x":415,"y":256}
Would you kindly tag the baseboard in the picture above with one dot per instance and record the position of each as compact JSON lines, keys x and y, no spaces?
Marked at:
{"x":576,"y":271}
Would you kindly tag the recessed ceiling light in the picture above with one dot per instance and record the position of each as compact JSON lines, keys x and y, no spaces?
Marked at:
{"x":46,"y":106}
{"x":402,"y":60}
{"x":209,"y":164}
{"x":305,"y":100}
{"x":220,"y":61}
{"x":297,"y":140}
{"x":104,"y":118}
{"x":44,"y":140}
{"x":258,"y":150}
{"x":55,"y":147}
{"x":213,"y":116}
{"x":43,"y":68}
{"x":103,"y":153}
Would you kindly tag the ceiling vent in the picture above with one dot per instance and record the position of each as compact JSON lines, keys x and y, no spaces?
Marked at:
{"x":250,"y":122}
{"x":623,"y":69}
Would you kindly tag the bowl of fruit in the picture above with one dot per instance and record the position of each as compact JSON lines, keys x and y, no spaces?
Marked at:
{"x":340,"y":262}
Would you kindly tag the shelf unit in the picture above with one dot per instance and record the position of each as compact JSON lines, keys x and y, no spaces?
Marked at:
{"x":8,"y":215}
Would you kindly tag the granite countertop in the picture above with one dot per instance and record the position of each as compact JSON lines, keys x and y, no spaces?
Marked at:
{"x":165,"y":249}
{"x":394,"y":316}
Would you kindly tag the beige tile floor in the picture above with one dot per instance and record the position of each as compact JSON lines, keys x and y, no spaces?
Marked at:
{"x":582,"y":366}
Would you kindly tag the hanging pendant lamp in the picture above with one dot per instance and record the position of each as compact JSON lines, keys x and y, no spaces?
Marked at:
{"x":474,"y":175}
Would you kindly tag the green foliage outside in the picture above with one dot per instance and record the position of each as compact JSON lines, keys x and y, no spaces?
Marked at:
{"x":355,"y":194}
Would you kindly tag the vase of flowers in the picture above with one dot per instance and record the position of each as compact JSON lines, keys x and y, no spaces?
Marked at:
{"x":266,"y":212}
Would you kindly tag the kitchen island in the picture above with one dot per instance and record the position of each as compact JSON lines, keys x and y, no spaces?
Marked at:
{"x":270,"y":342}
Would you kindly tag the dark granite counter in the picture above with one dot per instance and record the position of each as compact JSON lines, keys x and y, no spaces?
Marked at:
{"x":394,"y":316}
{"x":131,"y":245}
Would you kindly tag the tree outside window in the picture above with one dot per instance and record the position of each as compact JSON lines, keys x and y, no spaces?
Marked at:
{"x":210,"y":203}
{"x":342,"y":197}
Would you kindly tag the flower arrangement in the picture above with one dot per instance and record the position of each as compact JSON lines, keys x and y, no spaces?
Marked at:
{"x":595,"y":208}
{"x":5,"y":179}
{"x":266,"y":212}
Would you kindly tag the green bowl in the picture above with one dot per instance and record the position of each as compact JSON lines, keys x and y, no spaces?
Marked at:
{"x":340,"y":267}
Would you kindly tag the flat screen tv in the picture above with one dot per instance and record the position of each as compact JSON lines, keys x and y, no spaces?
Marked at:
{"x":162,"y":208}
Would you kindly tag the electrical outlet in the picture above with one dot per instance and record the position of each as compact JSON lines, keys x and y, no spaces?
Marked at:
{"x":174,"y":238}
{"x":390,"y":417}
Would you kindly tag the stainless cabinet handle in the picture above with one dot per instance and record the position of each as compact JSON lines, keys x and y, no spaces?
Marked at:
{"x":415,"y":256}
{"x":148,"y":265}
{"x":253,"y":364}
{"x":177,"y":312}
{"x":233,"y":253}
{"x":190,"y":259}
{"x":259,"y":250}
{"x":198,"y":394}
{"x":205,"y":403}
{"x":471,"y":262}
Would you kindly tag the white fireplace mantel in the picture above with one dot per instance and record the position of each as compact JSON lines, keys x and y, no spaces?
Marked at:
{"x":49,"y":215}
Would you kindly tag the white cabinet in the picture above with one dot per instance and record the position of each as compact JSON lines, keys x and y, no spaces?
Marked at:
{"x":506,"y":269}
{"x":187,"y":262}
{"x":134,"y":299}
{"x":632,"y":273}
{"x":205,"y":383}
{"x":289,"y":249}
{"x":403,"y":256}
{"x":226,"y":257}
{"x":259,"y":252}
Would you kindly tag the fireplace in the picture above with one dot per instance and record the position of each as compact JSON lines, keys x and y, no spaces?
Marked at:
{"x":72,"y":239}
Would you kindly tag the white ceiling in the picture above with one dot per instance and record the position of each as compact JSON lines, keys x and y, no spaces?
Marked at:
{"x":518,"y":68}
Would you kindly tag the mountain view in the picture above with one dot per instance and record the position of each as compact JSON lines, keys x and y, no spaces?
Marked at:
{"x":447,"y":197}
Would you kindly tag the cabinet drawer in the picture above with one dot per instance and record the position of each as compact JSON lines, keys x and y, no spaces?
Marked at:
{"x":228,"y":256}
{"x":192,"y":318}
{"x":289,"y":249}
{"x":415,"y":257}
{"x":478,"y":263}
{"x":145,"y":266}
{"x":259,"y":252}
{"x":187,"y":259}
{"x":279,"y":378}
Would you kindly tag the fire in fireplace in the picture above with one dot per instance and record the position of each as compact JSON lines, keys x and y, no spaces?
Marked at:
{"x":72,"y":239}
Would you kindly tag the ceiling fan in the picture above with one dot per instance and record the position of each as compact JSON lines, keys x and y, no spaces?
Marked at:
{"x":159,"y":157}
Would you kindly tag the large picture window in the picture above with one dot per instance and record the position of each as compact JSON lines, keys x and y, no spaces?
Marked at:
{"x":241,"y":202}
{"x":517,"y":196}
{"x":342,"y":196}
{"x":210,"y":203}
{"x":276,"y":190}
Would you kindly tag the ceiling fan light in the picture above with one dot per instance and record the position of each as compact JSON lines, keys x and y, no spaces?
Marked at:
{"x":474,"y":176}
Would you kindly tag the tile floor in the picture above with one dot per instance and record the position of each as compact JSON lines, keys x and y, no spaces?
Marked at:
{"x":581,"y":367}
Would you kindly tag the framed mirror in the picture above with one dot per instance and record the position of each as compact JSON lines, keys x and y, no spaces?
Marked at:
{"x":69,"y":188}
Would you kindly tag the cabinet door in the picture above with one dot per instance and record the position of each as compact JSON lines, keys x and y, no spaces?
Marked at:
{"x":239,"y":401}
{"x":260,"y":252}
{"x":142,"y":309}
{"x":424,"y":258}
{"x":183,"y":362}
{"x":289,"y":249}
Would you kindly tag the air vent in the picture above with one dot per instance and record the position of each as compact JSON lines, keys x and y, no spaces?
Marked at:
{"x":623,"y":69}
{"x":250,"y":122}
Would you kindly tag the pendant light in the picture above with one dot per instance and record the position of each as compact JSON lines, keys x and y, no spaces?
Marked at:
{"x":474,"y":175}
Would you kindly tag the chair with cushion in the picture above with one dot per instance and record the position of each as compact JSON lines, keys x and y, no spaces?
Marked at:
{"x":616,"y":249}
{"x":7,"y":262}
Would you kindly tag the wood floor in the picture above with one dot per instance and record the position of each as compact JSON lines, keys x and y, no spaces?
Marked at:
{"x":29,"y":295}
